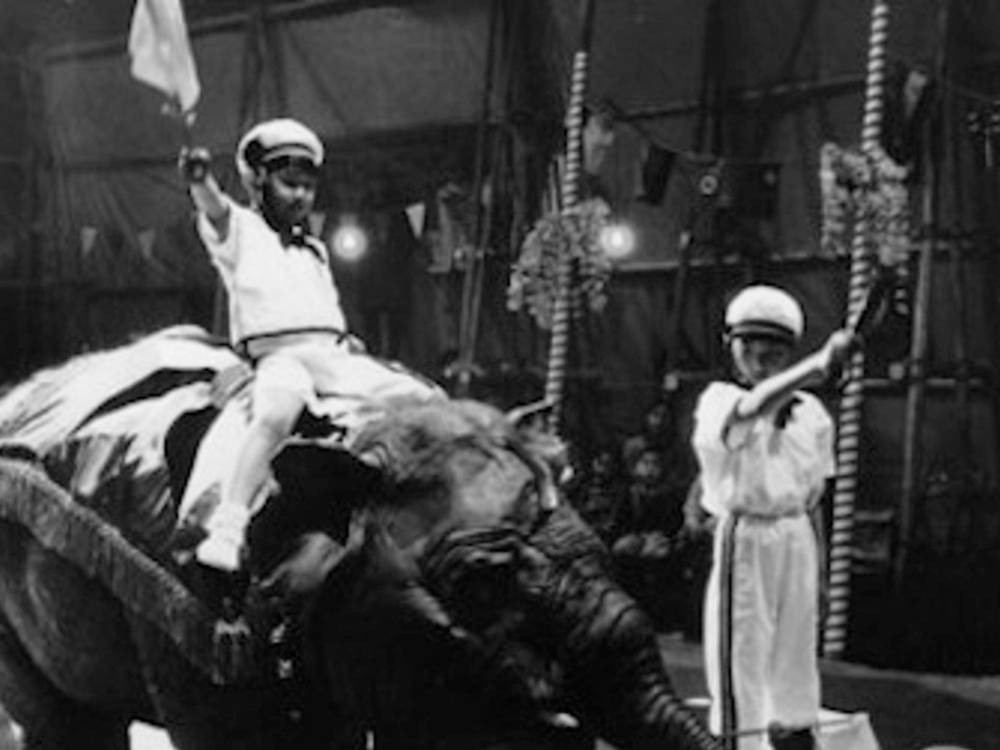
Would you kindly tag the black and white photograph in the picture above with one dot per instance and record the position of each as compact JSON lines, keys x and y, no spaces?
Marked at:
{"x":500,"y":374}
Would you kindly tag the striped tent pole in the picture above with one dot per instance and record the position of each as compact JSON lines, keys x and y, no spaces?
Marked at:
{"x":849,"y":418}
{"x":555,"y":377}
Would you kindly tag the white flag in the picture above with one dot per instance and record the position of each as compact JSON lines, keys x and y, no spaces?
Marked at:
{"x":160,"y":51}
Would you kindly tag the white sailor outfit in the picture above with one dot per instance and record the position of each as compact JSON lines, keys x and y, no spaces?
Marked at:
{"x":761,"y":478}
{"x":285,"y":315}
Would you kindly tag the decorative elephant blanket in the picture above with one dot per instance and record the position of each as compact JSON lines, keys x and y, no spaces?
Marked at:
{"x":84,"y":464}
{"x":99,"y":426}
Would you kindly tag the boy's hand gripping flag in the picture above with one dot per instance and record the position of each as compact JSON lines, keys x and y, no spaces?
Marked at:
{"x":160,"y":51}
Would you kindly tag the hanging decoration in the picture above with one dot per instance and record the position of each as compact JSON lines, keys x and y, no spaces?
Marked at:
{"x":864,"y":188}
{"x":416,"y":214}
{"x":655,"y":173}
{"x":88,"y":238}
{"x":147,"y":240}
{"x":317,"y":222}
{"x":575,"y":234}
{"x":456,"y":219}
{"x":982,"y":121}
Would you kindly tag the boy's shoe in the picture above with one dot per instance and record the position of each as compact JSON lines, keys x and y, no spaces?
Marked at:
{"x":791,"y":739}
{"x":226,"y":533}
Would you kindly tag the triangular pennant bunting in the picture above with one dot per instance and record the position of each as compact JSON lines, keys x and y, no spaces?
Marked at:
{"x":316,"y":221}
{"x":656,"y":171}
{"x":147,"y":238}
{"x":417,"y":213}
{"x":88,"y":237}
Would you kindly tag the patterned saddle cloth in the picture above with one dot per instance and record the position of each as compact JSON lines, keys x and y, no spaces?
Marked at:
{"x":103,"y":427}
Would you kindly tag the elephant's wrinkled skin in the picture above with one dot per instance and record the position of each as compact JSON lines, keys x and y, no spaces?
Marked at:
{"x":464,"y":613}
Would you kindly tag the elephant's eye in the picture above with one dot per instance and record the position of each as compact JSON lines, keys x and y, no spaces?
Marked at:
{"x":529,"y":494}
{"x":477,"y":576}
{"x":536,"y":497}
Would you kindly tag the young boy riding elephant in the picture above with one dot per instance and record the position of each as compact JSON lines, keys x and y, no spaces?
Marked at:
{"x":285,"y":315}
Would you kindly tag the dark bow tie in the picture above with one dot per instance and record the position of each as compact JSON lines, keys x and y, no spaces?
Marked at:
{"x":785,"y":412}
{"x":297,"y":236}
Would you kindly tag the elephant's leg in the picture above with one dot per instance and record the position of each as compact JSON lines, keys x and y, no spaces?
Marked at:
{"x":200,"y":715}
{"x":188,"y":706}
{"x":50,"y":720}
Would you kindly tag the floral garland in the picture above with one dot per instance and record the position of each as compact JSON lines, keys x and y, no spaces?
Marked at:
{"x":573,"y":234}
{"x":871,"y":188}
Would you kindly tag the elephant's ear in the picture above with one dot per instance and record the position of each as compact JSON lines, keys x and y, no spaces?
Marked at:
{"x":315,"y":558}
{"x":530,"y":416}
{"x":376,"y":455}
{"x":530,"y":424}
{"x":387,"y":441}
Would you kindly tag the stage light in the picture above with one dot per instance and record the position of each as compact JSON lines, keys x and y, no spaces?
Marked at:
{"x":349,"y":241}
{"x":617,"y":240}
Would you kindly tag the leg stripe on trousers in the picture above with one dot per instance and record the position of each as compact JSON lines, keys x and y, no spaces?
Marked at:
{"x":730,"y":725}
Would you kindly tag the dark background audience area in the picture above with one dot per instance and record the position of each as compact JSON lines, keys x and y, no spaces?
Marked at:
{"x":640,"y":494}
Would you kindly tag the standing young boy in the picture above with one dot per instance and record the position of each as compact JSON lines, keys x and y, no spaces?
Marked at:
{"x":765,"y":450}
{"x":284,"y":309}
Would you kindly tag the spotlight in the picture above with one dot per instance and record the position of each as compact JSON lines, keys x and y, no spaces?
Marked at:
{"x":617,"y":240}
{"x":349,"y":241}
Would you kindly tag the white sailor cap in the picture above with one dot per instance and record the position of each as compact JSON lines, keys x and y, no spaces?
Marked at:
{"x":273,"y":139}
{"x":765,"y":311}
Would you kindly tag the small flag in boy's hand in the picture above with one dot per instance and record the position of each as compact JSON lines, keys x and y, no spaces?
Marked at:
{"x":161,"y":53}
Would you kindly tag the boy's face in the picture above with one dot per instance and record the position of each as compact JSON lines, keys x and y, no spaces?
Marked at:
{"x":288,"y":193}
{"x":759,"y":357}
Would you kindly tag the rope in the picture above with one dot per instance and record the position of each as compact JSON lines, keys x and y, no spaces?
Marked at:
{"x":835,"y":720}
{"x":849,"y":417}
{"x":559,"y":342}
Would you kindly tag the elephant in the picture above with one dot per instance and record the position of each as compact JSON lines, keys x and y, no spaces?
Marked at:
{"x":423,"y":587}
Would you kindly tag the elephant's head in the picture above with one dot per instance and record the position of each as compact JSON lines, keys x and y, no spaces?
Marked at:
{"x":474,"y":604}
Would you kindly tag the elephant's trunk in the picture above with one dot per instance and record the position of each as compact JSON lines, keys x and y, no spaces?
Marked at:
{"x":614,"y":672}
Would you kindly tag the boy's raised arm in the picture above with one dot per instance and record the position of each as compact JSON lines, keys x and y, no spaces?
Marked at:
{"x":773,"y":392}
{"x":195,"y":165}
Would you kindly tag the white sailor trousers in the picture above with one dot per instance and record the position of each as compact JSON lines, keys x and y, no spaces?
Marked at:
{"x":761,"y":620}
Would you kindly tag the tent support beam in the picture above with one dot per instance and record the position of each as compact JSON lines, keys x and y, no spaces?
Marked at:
{"x":287,"y":11}
{"x":805,"y":90}
{"x":472,"y":281}
{"x":917,"y":391}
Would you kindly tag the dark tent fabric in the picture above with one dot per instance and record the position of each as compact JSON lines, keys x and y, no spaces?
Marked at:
{"x":398,"y":94}
{"x":386,"y":82}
